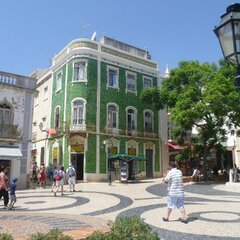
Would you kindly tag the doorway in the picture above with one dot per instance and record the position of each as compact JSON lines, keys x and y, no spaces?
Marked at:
{"x":149,"y":163}
{"x":77,"y":161}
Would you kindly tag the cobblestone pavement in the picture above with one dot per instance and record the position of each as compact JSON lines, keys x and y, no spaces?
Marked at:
{"x":213,"y":210}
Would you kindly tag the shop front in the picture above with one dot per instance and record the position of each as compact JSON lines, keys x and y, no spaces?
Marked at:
{"x":10,"y":156}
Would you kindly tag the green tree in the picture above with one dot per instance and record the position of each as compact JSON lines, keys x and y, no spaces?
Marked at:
{"x":201,"y":97}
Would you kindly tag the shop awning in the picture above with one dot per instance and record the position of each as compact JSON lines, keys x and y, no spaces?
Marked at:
{"x":125,"y":157}
{"x":10,"y":153}
{"x":175,"y":147}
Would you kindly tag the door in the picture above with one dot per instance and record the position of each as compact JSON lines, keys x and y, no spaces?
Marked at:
{"x":78,"y":163}
{"x":149,"y":163}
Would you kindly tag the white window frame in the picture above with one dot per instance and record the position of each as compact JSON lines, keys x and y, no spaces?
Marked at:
{"x":79,"y":120}
{"x":36,"y":101}
{"x":45,"y":93}
{"x":133,"y":118}
{"x":147,"y":78}
{"x":116,"y":85}
{"x":152,"y":123}
{"x":112,"y":115}
{"x":84,"y":79}
{"x":135,"y":83}
{"x":59,"y":81}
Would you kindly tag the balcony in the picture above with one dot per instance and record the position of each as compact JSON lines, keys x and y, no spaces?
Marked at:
{"x":131,"y":132}
{"x":74,"y":128}
{"x":9,"y":131}
{"x":114,"y":131}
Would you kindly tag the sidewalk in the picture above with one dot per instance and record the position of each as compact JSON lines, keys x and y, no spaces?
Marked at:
{"x":213,"y":210}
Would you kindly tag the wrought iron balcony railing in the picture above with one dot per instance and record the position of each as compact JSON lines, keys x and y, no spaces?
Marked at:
{"x":9,"y":131}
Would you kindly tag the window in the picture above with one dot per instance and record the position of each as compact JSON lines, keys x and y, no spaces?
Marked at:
{"x":112,"y":116}
{"x":45,"y":93}
{"x":80,"y":71}
{"x":59,"y":81}
{"x":131,"y":82}
{"x":57,"y":117}
{"x":131,"y":119}
{"x":148,"y":121}
{"x":5,"y":114}
{"x":78,"y":111}
{"x":147,"y":82}
{"x":112,"y":77}
{"x":35,"y":101}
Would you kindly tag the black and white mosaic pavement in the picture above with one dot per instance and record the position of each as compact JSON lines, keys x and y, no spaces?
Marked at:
{"x":210,"y":209}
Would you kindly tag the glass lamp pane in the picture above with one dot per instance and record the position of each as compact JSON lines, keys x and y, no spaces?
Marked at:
{"x":237,"y":35}
{"x":226,"y":39}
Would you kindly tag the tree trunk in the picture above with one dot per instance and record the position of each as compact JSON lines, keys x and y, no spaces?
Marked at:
{"x":205,"y":153}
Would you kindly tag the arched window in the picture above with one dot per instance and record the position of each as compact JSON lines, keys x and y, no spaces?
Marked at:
{"x":148,"y":121}
{"x":57,"y":117}
{"x":131,"y":119}
{"x":112,"y":116}
{"x":5,"y":114}
{"x":78,"y":111}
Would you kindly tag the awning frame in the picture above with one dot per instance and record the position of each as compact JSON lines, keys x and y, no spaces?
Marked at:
{"x":125,"y":157}
{"x":10,"y":153}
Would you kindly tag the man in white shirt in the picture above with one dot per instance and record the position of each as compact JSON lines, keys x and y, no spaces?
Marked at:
{"x":71,"y":174}
{"x":175,"y":197}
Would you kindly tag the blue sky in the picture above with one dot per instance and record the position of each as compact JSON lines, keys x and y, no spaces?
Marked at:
{"x":33,"y":31}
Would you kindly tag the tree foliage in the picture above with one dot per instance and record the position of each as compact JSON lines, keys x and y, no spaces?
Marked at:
{"x":201,"y":97}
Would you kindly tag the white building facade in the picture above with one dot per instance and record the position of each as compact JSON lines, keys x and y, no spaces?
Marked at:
{"x":16,"y":104}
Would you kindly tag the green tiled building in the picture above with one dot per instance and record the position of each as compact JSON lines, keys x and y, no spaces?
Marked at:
{"x":97,"y":111}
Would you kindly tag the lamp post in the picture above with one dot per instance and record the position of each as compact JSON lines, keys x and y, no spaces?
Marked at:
{"x":108,"y":144}
{"x":45,"y":142}
{"x":228,"y":34}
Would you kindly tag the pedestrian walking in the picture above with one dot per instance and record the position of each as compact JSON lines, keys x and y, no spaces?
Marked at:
{"x":60,"y":178}
{"x":175,"y":197}
{"x":35,"y":170}
{"x":4,"y":185}
{"x":71,"y":175}
{"x":42,"y":176}
{"x":53,"y":178}
{"x":49,"y":172}
{"x":12,"y":193}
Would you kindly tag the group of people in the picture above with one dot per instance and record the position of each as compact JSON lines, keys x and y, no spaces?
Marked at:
{"x":57,"y":175}
{"x":60,"y":177}
{"x":7,"y":191}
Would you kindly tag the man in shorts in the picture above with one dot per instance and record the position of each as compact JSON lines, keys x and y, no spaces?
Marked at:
{"x":175,"y":197}
{"x":71,"y":174}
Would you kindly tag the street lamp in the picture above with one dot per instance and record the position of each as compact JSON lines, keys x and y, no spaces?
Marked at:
{"x":108,"y":144}
{"x":228,"y":34}
{"x":45,"y":142}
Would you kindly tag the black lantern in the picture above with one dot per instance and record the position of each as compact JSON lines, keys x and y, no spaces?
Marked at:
{"x":228,"y":33}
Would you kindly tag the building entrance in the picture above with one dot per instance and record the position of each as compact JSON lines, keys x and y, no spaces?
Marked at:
{"x":77,"y":161}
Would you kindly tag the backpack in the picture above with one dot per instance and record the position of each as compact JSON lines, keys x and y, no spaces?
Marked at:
{"x":71,"y":172}
{"x":58,"y":175}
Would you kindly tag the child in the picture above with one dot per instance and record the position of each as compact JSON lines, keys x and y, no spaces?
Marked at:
{"x":12,"y":194}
